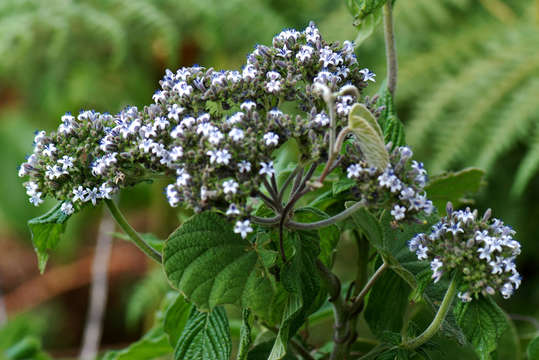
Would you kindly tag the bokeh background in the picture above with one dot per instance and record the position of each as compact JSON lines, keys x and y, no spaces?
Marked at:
{"x":468,"y":94}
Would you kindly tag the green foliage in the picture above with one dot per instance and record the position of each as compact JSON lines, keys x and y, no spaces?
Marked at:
{"x":206,"y":336}
{"x":212,"y":266}
{"x":472,"y":91}
{"x":392,"y":127}
{"x":175,"y":318}
{"x":146,"y":296}
{"x":483,"y":322}
{"x":367,"y":16}
{"x":453,"y":187}
{"x":533,"y":349}
{"x":46,"y":231}
{"x":385,"y":316}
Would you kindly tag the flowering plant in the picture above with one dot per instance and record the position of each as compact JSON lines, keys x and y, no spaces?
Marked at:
{"x":277,"y":162}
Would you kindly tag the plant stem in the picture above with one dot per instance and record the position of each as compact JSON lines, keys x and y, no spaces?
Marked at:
{"x":436,"y":323}
{"x":358,"y":301}
{"x":391,"y":49}
{"x":329,"y":221}
{"x":132,"y":233}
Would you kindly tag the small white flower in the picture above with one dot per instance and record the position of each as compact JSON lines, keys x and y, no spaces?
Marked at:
{"x":79,"y":194}
{"x":106,"y":191}
{"x":244,"y":166}
{"x":213,"y":155}
{"x":36,"y":199}
{"x":159,"y":96}
{"x":248,"y":105}
{"x":243,"y":228}
{"x":266,"y":168}
{"x":321,"y":119}
{"x":236,"y":118}
{"x":146,"y":145}
{"x":464,"y":297}
{"x":398,"y":212}
{"x":31,"y":188}
{"x":160,"y":123}
{"x":67,"y":208}
{"x":182,"y":178}
{"x":435,"y":266}
{"x":236,"y":134}
{"x":183,"y":89}
{"x":368,"y":75}
{"x":273,"y":86}
{"x":66,"y":162}
{"x":173,"y":196}
{"x":230,"y":187}
{"x":507,"y":290}
{"x":249,"y":72}
{"x":232,"y":210}
{"x":271,"y":139}
{"x":174,"y":111}
{"x":176,"y":132}
{"x":215,"y":137}
{"x":188,"y":121}
{"x":222,"y":157}
{"x":354,"y":171}
{"x":49,"y":149}
{"x":176,"y":153}
{"x":422,"y":252}
{"x":92,"y":195}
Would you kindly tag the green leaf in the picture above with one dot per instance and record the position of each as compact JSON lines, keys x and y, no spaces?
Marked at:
{"x":211,"y":265}
{"x":453,"y":186}
{"x":342,"y":185}
{"x":386,"y":304}
{"x":292,"y":308}
{"x":533,"y":349}
{"x":46,"y":231}
{"x":153,"y":345}
{"x":245,"y":335}
{"x":363,"y":8}
{"x":392,"y":127}
{"x":175,"y":318}
{"x":369,"y":136}
{"x":483,"y":322}
{"x":28,"y":348}
{"x":367,"y":16}
{"x":206,"y":336}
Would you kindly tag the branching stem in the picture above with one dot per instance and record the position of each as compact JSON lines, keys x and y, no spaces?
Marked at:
{"x":358,"y":300}
{"x":132,"y":233}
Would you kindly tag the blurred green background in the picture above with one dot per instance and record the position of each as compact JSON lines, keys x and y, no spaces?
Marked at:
{"x":468,"y":94}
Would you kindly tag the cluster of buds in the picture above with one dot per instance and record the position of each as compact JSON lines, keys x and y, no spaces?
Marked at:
{"x":480,"y":251}
{"x":399,"y":186}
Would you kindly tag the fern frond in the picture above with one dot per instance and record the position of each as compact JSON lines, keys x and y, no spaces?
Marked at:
{"x":427,"y":118}
{"x":451,"y":146}
{"x":152,"y":18}
{"x":512,"y":124}
{"x":528,"y":167}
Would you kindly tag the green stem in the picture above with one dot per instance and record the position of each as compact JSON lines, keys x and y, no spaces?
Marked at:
{"x":391,"y":49}
{"x":437,"y":321}
{"x":132,"y":233}
{"x":326,"y":222}
{"x":358,"y":301}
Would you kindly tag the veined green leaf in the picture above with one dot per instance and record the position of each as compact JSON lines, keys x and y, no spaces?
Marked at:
{"x":46,"y":231}
{"x":483,"y":322}
{"x":206,"y":336}
{"x":211,"y":265}
{"x":369,"y":136}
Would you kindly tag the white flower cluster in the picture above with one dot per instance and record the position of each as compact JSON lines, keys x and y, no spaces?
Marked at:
{"x":480,"y":251}
{"x":400,"y":184}
{"x":212,"y":131}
